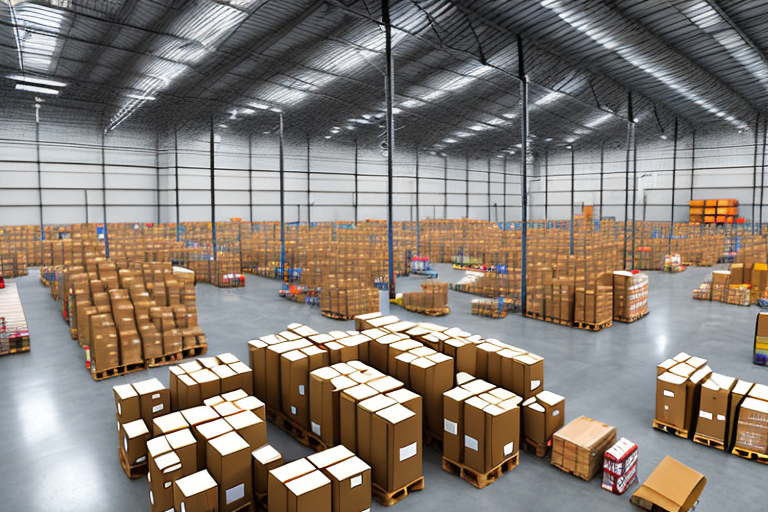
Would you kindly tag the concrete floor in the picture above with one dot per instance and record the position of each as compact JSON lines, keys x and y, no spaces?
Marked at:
{"x":58,"y":444}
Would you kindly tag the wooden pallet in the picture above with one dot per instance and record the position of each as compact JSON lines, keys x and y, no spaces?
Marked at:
{"x":248,"y":507}
{"x":198,"y":350}
{"x":429,"y":312}
{"x":748,"y":454}
{"x":335,"y":316}
{"x":290,"y":427}
{"x":260,"y":501}
{"x":387,"y":499}
{"x":571,"y":472}
{"x":164,"y":360}
{"x":630,"y":319}
{"x":709,"y":441}
{"x":18,"y":350}
{"x":670,"y":429}
{"x":593,"y":327}
{"x":536,"y":316}
{"x":539,"y":450}
{"x":132,"y":472}
{"x":477,"y":479}
{"x":433,"y":440}
{"x":117,"y":371}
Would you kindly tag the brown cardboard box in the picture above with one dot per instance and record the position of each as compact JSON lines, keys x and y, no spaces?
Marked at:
{"x":323,"y":421}
{"x":234,"y":396}
{"x":463,"y":378}
{"x":528,"y":375}
{"x":665,"y":366}
{"x":385,"y":384}
{"x":210,"y":384}
{"x":135,"y":436}
{"x":225,"y":409}
{"x":365,"y":411}
{"x":481,"y":364}
{"x":672,"y":487}
{"x":253,"y":404}
{"x":183,"y":443}
{"x":474,"y":433}
{"x":329,"y":457}
{"x":273,"y":371}
{"x":542,"y":415}
{"x":396,"y":437}
{"x":126,"y":403}
{"x":257,"y":354}
{"x":279,"y":478}
{"x":163,"y":471}
{"x":350,"y":485}
{"x":168,"y":423}
{"x":207,"y":432}
{"x":250,"y":427}
{"x":714,"y":406}
{"x":752,"y":426}
{"x":431,"y":377}
{"x":478,"y":386}
{"x":453,"y":421}
{"x":154,"y":399}
{"x":403,"y":367}
{"x":265,"y":459}
{"x":196,"y":493}
{"x":410,"y":400}
{"x":463,"y":353}
{"x":309,"y":493}
{"x":244,"y":375}
{"x":228,"y":379}
{"x":228,"y":458}
{"x":693,"y":397}
{"x":379,"y":351}
{"x":502,"y":434}
{"x":361,"y":321}
{"x":348,"y":413}
{"x":360,"y":343}
{"x":174,"y":373}
{"x":188,"y":392}
{"x":579,"y":447}
{"x":317,"y":357}
{"x":294,"y":383}
{"x":738,"y":393}
{"x":397,"y":348}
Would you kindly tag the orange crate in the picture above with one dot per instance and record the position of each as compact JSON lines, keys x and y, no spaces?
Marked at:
{"x":696,"y":202}
{"x":727,"y":202}
{"x":709,"y":219}
{"x":710,"y":202}
{"x":710,"y":211}
{"x":697,"y":211}
{"x":720,"y":219}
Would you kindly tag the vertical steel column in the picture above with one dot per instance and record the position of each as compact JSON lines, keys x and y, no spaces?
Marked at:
{"x":754,"y":171}
{"x":390,"y":89}
{"x":630,"y":124}
{"x":282,"y":199}
{"x":40,"y":172}
{"x":176,"y":180}
{"x":466,"y":188}
{"x":309,"y":187}
{"x":634,"y":192}
{"x":157,"y":168}
{"x":546,"y":186}
{"x":573,"y":193}
{"x":418,"y":222}
{"x":505,"y":193}
{"x":445,"y":187}
{"x":762,"y":174}
{"x":356,"y":178}
{"x":213,"y":193}
{"x":674,"y":175}
{"x":489,"y":189}
{"x":693,"y":160}
{"x":250,"y":178}
{"x":104,"y":192}
{"x":85,"y":193}
{"x":524,"y":172}
{"x":602,"y":177}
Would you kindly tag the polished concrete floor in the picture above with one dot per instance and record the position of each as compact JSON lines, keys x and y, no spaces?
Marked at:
{"x":58,"y":444}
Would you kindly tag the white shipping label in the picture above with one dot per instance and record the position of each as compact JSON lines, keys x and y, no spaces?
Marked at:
{"x":167,"y":485}
{"x":669,"y":393}
{"x":367,"y":510}
{"x":155,"y":396}
{"x":356,"y":481}
{"x":406,"y":452}
{"x":293,"y":410}
{"x":535,"y":384}
{"x":118,"y":426}
{"x":125,"y":444}
{"x":556,"y":412}
{"x":720,"y":417}
{"x":141,"y":459}
{"x":470,"y":442}
{"x":183,"y":507}
{"x":666,"y":407}
{"x":301,"y":390}
{"x":316,"y":429}
{"x":151,"y":498}
{"x":235,"y":493}
{"x":706,"y":415}
{"x":509,"y":449}
{"x":170,"y":510}
{"x":450,"y":427}
{"x":119,"y":410}
{"x":157,"y":408}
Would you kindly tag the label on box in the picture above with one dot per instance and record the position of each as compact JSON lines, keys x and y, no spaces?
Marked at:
{"x":301,"y":390}
{"x":470,"y":442}
{"x":235,"y":493}
{"x":406,"y":452}
{"x":450,"y":427}
{"x":720,"y":417}
{"x":118,"y":425}
{"x":509,"y":448}
{"x":293,"y":410}
{"x":119,"y":410}
{"x":141,"y":459}
{"x":183,"y":507}
{"x":669,"y":393}
{"x":535,"y":384}
{"x":666,"y":407}
{"x":315,"y":428}
{"x":155,"y":396}
{"x":167,"y":485}
{"x":157,"y":408}
{"x":356,"y":480}
{"x":125,"y":444}
{"x":706,"y":415}
{"x":556,"y":412}
{"x":151,"y":498}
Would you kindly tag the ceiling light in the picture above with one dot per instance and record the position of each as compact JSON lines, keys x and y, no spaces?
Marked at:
{"x":267,"y":133}
{"x":260,"y":106}
{"x":463,"y":134}
{"x":433,"y":153}
{"x":275,"y":109}
{"x":450,"y":141}
{"x":349,"y":127}
{"x":223,"y":126}
{"x":548,"y":139}
{"x":335,"y":131}
{"x":664,"y":137}
{"x":480,"y":127}
{"x":248,"y":111}
{"x":34,"y":88}
{"x":327,"y":136}
{"x":40,"y":81}
{"x":141,"y":97}
{"x":397,"y":111}
{"x":499,"y":156}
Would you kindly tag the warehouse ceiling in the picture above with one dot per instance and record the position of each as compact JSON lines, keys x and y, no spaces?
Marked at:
{"x":175,"y":63}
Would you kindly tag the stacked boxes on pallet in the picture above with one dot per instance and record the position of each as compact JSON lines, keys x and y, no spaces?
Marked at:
{"x":630,"y":296}
{"x":14,"y":335}
{"x":432,"y":299}
{"x":579,"y":447}
{"x":714,"y":211}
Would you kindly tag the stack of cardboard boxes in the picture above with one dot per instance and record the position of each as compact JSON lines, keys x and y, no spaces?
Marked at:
{"x":431,"y":300}
{"x":579,"y":447}
{"x":740,"y":285}
{"x":630,"y":296}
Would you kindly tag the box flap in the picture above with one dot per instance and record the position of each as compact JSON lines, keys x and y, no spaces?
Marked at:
{"x":672,"y":486}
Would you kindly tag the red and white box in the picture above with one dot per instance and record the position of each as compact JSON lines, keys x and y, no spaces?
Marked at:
{"x":620,"y":466}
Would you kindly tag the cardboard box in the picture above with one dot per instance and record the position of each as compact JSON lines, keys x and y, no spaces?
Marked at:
{"x":250,"y":427}
{"x":478,"y":386}
{"x":740,"y":391}
{"x":385,"y":384}
{"x":169,"y":423}
{"x":228,"y":459}
{"x":714,"y":406}
{"x":543,"y":415}
{"x":279,"y":478}
{"x":294,"y":379}
{"x":135,"y":435}
{"x":463,"y":353}
{"x":579,"y":447}
{"x":752,"y":426}
{"x":126,"y":403}
{"x":163,"y":471}
{"x":671,"y":398}
{"x":196,"y":493}
{"x":379,"y":351}
{"x":348,"y":413}
{"x":205,"y":433}
{"x":403,"y":367}
{"x":528,"y":375}
{"x":326,"y":385}
{"x":244,"y":376}
{"x":350,"y":485}
{"x":453,"y":423}
{"x":672,"y":487}
{"x":410,"y":400}
{"x":329,"y":457}
{"x":273,"y":371}
{"x":154,"y":399}
{"x":183,"y":443}
{"x":265,"y":459}
{"x":431,"y":377}
{"x":397,"y":348}
{"x":396,"y":438}
{"x":225,"y":409}
{"x":481,"y":363}
{"x":187,"y":392}
{"x":234,"y":396}
{"x":228,"y":379}
{"x":253,"y":404}
{"x":257,"y":354}
{"x":365,"y":411}
{"x":309,"y":493}
{"x":209,"y":382}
